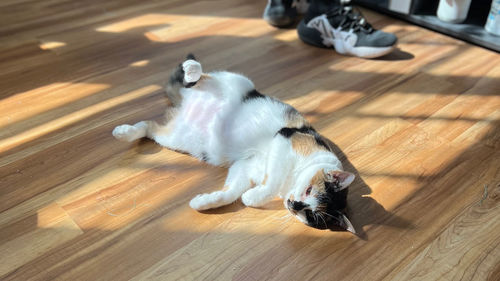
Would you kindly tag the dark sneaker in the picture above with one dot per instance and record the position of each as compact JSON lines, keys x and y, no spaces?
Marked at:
{"x":334,"y":24}
{"x":284,"y":13}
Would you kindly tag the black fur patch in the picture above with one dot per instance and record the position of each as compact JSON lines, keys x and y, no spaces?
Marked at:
{"x":335,"y":200}
{"x":189,"y":85}
{"x":253,"y":94}
{"x":297,"y":205}
{"x":288,"y":133}
{"x":204,"y":157}
{"x":178,"y":75}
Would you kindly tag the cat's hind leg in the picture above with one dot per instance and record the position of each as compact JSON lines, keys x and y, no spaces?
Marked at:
{"x":185,"y":75}
{"x":237,"y":182}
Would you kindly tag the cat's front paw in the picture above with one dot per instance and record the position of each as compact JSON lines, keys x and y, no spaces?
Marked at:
{"x":253,"y":198}
{"x":208,"y":201}
{"x":125,"y":133}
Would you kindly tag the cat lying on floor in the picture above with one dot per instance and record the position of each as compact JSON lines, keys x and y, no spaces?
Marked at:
{"x":271,"y":150}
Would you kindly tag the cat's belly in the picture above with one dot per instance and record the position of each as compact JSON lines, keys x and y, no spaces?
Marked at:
{"x":219,"y":131}
{"x":250,"y":129}
{"x":197,"y":127}
{"x":201,"y":114}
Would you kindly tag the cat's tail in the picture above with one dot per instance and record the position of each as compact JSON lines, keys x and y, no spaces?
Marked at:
{"x":185,"y":75}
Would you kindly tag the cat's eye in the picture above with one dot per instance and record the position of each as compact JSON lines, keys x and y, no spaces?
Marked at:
{"x":308,"y":191}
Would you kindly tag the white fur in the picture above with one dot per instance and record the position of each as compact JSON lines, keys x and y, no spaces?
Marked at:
{"x":192,"y":71}
{"x":213,"y":122}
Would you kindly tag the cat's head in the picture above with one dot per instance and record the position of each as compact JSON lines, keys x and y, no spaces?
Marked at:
{"x":320,"y":203}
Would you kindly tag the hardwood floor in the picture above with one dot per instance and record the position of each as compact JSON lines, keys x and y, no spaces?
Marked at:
{"x":420,"y":127}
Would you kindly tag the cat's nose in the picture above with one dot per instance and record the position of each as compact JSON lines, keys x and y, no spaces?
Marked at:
{"x":297,"y":206}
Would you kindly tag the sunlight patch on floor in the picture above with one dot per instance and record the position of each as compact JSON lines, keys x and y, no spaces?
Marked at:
{"x":33,"y":133}
{"x":22,"y":106}
{"x":400,"y":103}
{"x":175,"y":28}
{"x":119,"y":171}
{"x":469,"y":70}
{"x":140,"y":63}
{"x":49,"y":45}
{"x":287,"y":35}
{"x":319,"y":103}
{"x":255,"y":221}
{"x":136,"y":22}
{"x":53,"y":227}
{"x":129,"y":189}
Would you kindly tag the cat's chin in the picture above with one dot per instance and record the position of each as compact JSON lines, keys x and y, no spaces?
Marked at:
{"x":297,"y":215}
{"x":301,"y":219}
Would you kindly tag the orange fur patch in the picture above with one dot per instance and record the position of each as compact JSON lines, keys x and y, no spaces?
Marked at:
{"x":318,"y":180}
{"x":305,"y":144}
{"x":203,"y":78}
{"x":252,"y":183}
{"x":294,"y":119}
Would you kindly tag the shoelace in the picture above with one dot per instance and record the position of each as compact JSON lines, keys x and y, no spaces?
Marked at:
{"x":350,"y":19}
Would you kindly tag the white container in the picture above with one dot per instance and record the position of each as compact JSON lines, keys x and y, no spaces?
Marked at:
{"x":453,"y":11}
{"x":400,"y":6}
{"x":493,"y":22}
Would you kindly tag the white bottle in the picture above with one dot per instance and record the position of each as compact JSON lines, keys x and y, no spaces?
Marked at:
{"x":453,"y":11}
{"x":493,"y":22}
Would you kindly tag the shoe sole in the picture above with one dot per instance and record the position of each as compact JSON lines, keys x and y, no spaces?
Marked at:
{"x":313,"y":37}
{"x":280,"y":20}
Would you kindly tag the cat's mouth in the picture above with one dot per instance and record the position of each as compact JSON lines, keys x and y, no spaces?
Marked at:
{"x":300,"y":210}
{"x":306,"y":215}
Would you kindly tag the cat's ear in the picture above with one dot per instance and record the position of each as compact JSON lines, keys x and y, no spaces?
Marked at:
{"x":339,"y":179}
{"x":347,"y":224}
{"x":190,"y":57}
{"x":341,"y":222}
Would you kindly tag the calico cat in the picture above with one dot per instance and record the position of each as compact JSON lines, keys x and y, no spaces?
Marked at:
{"x":271,"y":150}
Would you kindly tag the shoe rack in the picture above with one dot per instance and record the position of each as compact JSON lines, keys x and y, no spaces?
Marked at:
{"x":423,"y":13}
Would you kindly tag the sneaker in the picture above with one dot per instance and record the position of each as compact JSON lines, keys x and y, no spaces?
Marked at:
{"x":284,"y":13}
{"x":334,"y":24}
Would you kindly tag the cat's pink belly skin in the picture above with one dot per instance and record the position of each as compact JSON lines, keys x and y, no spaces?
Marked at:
{"x":200,"y":114}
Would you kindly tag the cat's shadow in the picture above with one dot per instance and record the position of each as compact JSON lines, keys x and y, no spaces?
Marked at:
{"x":362,"y":209}
{"x":236,"y":206}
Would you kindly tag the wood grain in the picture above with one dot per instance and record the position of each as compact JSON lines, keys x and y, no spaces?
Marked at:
{"x":420,"y":128}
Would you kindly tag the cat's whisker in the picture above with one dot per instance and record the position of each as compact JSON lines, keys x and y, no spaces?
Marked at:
{"x":323,"y":212}
{"x":283,"y":217}
{"x":286,"y":218}
{"x":337,"y":219}
{"x":321,"y":216}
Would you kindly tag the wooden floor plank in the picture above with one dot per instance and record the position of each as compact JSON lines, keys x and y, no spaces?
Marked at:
{"x":467,"y":248}
{"x":53,"y":227}
{"x":419,"y":127}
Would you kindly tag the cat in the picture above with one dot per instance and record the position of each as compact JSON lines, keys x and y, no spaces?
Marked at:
{"x":270,"y":149}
